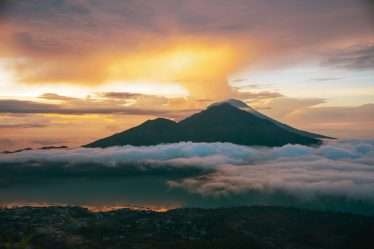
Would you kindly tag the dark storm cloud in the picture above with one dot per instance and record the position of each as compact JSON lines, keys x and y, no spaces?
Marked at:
{"x":257,"y":18}
{"x":39,"y":10}
{"x":370,"y":9}
{"x":5,"y":6}
{"x":355,"y":58}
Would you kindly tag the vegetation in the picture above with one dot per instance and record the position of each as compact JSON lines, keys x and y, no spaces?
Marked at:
{"x":245,"y":227}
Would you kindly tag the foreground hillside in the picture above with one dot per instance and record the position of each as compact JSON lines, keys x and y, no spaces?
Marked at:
{"x":246,"y":227}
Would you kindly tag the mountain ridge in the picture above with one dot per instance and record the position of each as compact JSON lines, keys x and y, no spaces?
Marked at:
{"x":228,"y":121}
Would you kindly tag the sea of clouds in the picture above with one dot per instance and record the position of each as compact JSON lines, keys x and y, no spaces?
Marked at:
{"x":342,"y":170}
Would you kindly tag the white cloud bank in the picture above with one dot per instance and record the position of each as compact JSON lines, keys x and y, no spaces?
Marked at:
{"x":342,"y":169}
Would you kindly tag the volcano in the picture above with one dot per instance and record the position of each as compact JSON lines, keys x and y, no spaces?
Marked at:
{"x":230,"y":121}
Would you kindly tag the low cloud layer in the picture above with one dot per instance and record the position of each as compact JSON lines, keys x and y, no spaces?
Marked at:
{"x":338,"y":175}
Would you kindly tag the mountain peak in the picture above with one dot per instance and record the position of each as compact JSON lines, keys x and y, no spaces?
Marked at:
{"x":159,"y":121}
{"x":230,"y":121}
{"x":235,"y":103}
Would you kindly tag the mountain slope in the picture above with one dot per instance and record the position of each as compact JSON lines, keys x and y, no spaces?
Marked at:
{"x":150,"y":132}
{"x":241,"y":105}
{"x":230,"y":121}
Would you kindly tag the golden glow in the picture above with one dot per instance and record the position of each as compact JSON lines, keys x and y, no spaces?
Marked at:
{"x":200,"y":66}
{"x":196,"y":67}
{"x":150,"y":88}
{"x":178,"y":63}
{"x":6,"y":77}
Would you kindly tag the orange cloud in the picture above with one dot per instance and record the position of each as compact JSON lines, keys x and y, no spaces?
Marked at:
{"x":201,"y":65}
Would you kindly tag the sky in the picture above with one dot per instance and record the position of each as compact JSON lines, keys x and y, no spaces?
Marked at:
{"x":72,"y":71}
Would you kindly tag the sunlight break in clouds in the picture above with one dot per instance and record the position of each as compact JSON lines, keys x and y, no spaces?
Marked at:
{"x":201,"y":66}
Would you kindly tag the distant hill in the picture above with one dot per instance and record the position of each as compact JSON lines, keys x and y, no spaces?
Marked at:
{"x":41,"y":148}
{"x":230,"y":121}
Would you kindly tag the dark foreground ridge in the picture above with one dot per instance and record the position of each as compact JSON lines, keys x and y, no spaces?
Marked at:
{"x":230,"y":121}
{"x":229,"y":228}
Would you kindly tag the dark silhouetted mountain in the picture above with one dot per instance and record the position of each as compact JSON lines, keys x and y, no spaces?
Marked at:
{"x":230,"y":121}
{"x":151,"y":132}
